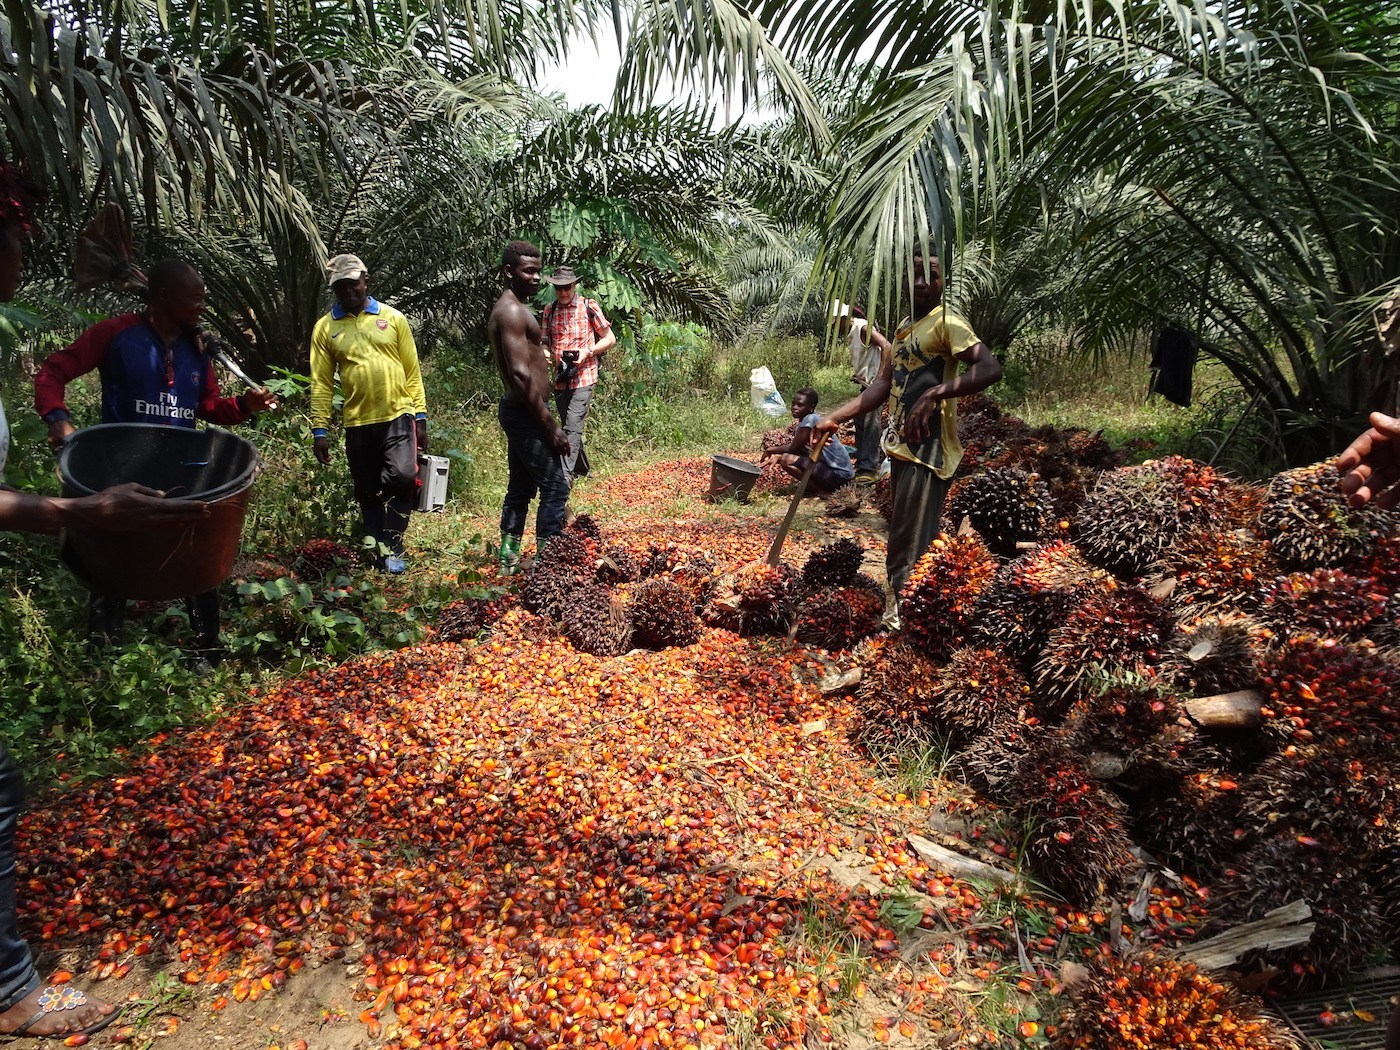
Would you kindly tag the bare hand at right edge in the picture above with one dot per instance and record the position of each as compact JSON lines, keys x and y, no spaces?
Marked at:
{"x":1371,"y":464}
{"x":134,"y":508}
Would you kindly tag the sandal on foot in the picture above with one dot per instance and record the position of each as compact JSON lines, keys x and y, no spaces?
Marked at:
{"x":55,"y":999}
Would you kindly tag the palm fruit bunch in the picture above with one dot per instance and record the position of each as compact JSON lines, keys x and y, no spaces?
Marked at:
{"x":779,"y":437}
{"x":840,"y":619}
{"x":1349,"y":788}
{"x":616,"y":565}
{"x":1381,"y":563}
{"x":463,"y":620}
{"x":1308,"y":522}
{"x":977,"y":689}
{"x":1122,"y":714}
{"x":1383,"y":880}
{"x":596,"y":621}
{"x":989,"y":763}
{"x":1326,"y":872}
{"x":1316,"y":689}
{"x":1135,"y":513}
{"x":1325,"y":602}
{"x":1216,"y":653}
{"x":317,"y":559}
{"x":1091,"y":451}
{"x":1216,"y":570}
{"x":663,"y":615}
{"x":1029,"y":596}
{"x":893,"y":703}
{"x":834,"y":564}
{"x":882,"y":497}
{"x":568,"y":562}
{"x":586,"y":525}
{"x":1121,"y":629}
{"x":845,"y":502}
{"x":1193,"y":822}
{"x":1385,"y":628}
{"x":1045,"y":453}
{"x":935,"y":607}
{"x":1006,"y":507}
{"x":1152,"y":1001}
{"x":1075,"y":841}
{"x":661,"y":559}
{"x":754,"y":599}
{"x":1127,"y":521}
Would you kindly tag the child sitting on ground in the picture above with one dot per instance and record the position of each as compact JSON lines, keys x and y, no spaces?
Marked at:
{"x":832,"y":470}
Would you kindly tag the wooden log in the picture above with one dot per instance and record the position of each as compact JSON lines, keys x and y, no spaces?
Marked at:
{"x":953,"y":863}
{"x":1237,"y":710}
{"x":1283,"y":927}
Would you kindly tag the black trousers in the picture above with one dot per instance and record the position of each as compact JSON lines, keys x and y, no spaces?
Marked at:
{"x":383,"y":462}
{"x":107,"y":615}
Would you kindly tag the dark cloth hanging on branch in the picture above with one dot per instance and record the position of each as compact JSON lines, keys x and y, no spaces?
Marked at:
{"x":1173,"y":359}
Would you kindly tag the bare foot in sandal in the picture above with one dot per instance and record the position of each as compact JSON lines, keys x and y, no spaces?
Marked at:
{"x":56,"y":1010}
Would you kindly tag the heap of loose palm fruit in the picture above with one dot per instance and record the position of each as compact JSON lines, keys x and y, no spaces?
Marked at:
{"x":1209,"y":672}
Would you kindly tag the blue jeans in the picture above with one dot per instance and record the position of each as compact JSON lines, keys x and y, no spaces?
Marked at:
{"x":535,"y":468}
{"x":17,"y":974}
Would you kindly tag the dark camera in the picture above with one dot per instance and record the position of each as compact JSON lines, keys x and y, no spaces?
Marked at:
{"x":568,"y":368}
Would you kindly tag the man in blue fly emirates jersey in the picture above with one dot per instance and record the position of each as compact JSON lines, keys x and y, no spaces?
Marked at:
{"x":154,"y":368}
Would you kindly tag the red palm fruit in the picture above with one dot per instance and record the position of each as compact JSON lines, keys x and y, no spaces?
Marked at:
{"x":977,"y":689}
{"x":834,"y":564}
{"x":1326,"y":872}
{"x":1122,"y":715}
{"x":1309,"y":523}
{"x":935,"y":607}
{"x":1213,"y":571}
{"x":1193,"y":822}
{"x":596,"y":621}
{"x":1075,"y":840}
{"x":567,"y":563}
{"x":1215,"y":653}
{"x":663,"y":615}
{"x":1121,"y":629}
{"x":1318,"y":689}
{"x":1326,"y":602}
{"x":1031,"y":595}
{"x":753,"y":600}
{"x":1347,"y":788}
{"x":1150,"y":1001}
{"x":989,"y":763}
{"x":317,"y":559}
{"x":840,"y":619}
{"x":463,"y":620}
{"x":1006,"y":507}
{"x":893,"y":703}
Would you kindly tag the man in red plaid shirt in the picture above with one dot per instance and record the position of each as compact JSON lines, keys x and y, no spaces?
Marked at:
{"x":577,"y":335}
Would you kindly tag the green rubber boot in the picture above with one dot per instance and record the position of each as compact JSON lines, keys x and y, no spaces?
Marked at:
{"x":510,"y":553}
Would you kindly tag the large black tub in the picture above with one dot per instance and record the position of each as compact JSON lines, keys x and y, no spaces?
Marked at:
{"x":212,"y":466}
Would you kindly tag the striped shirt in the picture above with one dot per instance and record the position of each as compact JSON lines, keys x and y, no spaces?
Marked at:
{"x":575,"y":327}
{"x":374,"y":353}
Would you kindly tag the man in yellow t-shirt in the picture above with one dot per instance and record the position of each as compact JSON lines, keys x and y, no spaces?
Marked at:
{"x":919,"y":376}
{"x":385,"y":413}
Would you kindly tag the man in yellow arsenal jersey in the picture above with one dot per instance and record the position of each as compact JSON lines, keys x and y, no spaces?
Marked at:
{"x":919,"y":375}
{"x":370,"y":346}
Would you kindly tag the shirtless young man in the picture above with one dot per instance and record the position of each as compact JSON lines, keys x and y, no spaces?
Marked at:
{"x":535,"y":442}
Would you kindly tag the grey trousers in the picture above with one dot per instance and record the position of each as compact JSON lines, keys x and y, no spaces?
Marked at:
{"x":868,"y":434}
{"x":573,"y":410}
{"x":918,"y":507}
